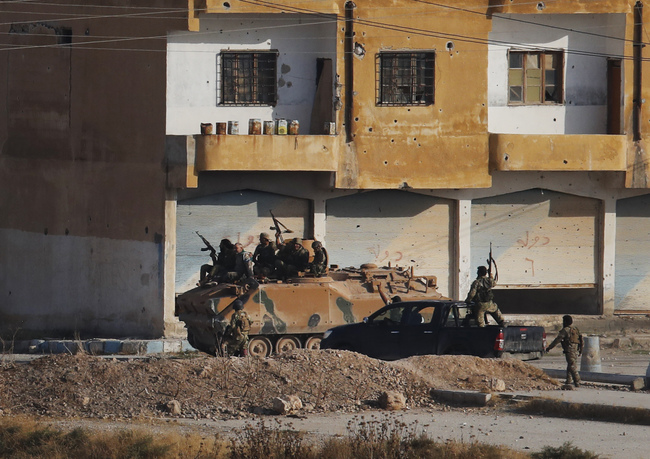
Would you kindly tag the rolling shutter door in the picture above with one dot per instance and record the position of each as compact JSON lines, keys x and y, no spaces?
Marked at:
{"x":545,"y":245}
{"x":405,"y":229}
{"x":632,"y":254}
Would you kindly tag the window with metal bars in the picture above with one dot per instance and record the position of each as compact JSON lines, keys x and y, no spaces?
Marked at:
{"x":535,"y":77}
{"x":405,"y":78}
{"x":249,"y":78}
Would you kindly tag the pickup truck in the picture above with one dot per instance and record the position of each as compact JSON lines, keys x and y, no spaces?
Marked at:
{"x":436,"y":327}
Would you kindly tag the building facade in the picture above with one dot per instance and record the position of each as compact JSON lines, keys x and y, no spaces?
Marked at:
{"x":423,"y":133}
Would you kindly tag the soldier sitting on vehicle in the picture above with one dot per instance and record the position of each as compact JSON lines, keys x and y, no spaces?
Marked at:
{"x":264,"y":256}
{"x":222,"y":263}
{"x":319,"y":265}
{"x":243,"y":265}
{"x":293,"y":258}
{"x":237,"y":332}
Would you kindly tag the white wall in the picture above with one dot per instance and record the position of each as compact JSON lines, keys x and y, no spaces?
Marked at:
{"x":584,"y":110}
{"x":193,"y":66}
{"x":66,"y":299}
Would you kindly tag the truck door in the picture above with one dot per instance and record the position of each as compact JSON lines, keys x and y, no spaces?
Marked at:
{"x":382,"y":336}
{"x":418,"y":335}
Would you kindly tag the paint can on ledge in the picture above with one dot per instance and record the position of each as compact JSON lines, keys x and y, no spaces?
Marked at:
{"x":233,"y":127}
{"x":282,"y":126}
{"x":221,"y":128}
{"x":294,"y":126}
{"x":254,"y":126}
{"x":269,"y":127}
{"x":206,"y":128}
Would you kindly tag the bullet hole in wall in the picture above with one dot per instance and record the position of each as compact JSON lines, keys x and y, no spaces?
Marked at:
{"x":146,"y":230}
{"x":67,"y":231}
{"x":45,"y":231}
{"x":369,"y":129}
{"x":226,"y":5}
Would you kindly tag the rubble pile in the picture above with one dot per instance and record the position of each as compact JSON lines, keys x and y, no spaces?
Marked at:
{"x":203,"y":387}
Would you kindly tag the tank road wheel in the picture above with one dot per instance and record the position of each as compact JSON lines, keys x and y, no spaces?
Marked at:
{"x":313,"y":342}
{"x":286,"y":344}
{"x":260,"y":346}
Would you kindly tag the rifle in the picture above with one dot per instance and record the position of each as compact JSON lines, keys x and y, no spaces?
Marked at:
{"x":491,"y":261}
{"x":208,"y":246}
{"x":277,"y":228}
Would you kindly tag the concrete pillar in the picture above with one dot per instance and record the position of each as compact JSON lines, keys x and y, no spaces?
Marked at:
{"x":608,"y":256}
{"x":320,"y":224}
{"x":591,"y":354}
{"x":463,"y":277}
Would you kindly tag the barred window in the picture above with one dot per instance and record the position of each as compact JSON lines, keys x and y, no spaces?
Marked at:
{"x":405,"y":78}
{"x":535,"y":77}
{"x":249,"y":78}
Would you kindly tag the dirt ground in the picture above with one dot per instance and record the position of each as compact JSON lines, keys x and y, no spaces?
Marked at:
{"x":220,"y":388}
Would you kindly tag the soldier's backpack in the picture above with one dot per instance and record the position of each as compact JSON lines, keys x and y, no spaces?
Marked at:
{"x":244,"y":323}
{"x":484,"y":291}
{"x":575,"y":337}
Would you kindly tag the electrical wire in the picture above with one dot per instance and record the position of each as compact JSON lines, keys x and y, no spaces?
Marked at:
{"x":370,"y":23}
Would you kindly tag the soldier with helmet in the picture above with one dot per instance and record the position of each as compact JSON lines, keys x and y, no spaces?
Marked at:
{"x":264,"y":256}
{"x":572,"y":344}
{"x":237,"y":331}
{"x":481,"y":295}
{"x":321,"y":259}
{"x":293,"y":257}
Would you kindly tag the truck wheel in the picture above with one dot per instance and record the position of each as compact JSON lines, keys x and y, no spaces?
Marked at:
{"x":313,"y":342}
{"x":286,"y":344}
{"x":260,"y":346}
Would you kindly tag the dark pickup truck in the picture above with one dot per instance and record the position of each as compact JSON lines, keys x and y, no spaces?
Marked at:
{"x":435,"y":327}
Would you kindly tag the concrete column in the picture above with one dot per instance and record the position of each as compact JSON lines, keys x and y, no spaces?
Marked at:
{"x":173,"y":328}
{"x":608,"y":255}
{"x":320,"y":224}
{"x":463,"y":245}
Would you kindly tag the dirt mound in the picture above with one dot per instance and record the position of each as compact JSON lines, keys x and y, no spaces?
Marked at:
{"x":208,"y":387}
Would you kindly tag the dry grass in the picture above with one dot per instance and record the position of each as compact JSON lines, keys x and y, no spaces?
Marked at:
{"x":606,"y":413}
{"x":384,"y":438}
{"x":24,"y":438}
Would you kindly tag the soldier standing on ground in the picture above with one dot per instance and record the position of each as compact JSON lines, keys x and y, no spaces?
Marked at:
{"x":319,"y":264}
{"x":481,"y":295}
{"x":572,"y":343}
{"x":237,"y":334}
{"x":264,"y":256}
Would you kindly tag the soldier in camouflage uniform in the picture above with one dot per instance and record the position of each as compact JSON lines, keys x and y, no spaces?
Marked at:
{"x":319,"y":264}
{"x":572,"y":344}
{"x":264,"y":256}
{"x":237,"y":333}
{"x":481,"y":295}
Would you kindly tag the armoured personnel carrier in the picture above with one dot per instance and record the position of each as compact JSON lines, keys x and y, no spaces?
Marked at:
{"x":295,"y":313}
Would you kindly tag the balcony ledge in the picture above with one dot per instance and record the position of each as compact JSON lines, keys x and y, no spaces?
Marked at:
{"x":528,"y":152}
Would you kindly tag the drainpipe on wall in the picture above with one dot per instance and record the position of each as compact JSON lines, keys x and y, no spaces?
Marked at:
{"x":348,"y":58}
{"x":637,"y":59}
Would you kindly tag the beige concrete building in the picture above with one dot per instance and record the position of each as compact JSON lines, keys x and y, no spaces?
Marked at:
{"x":426,"y":132}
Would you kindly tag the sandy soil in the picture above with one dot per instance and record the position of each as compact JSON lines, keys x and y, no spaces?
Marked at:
{"x":225,"y":388}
